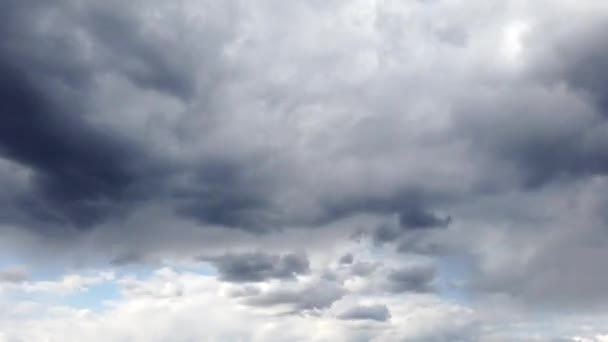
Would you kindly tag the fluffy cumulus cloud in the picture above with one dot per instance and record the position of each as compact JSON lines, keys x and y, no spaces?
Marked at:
{"x":315,"y":171}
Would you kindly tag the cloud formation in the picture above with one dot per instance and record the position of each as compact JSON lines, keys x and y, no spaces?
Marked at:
{"x":378,"y":313}
{"x":443,"y":158}
{"x":255,"y":267}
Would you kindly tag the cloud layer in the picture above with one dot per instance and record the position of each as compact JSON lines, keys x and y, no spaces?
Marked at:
{"x":335,"y":167}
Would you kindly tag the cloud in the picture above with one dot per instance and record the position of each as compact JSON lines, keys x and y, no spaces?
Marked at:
{"x":13,"y":275}
{"x":316,"y":151}
{"x":74,"y":182}
{"x":70,"y":283}
{"x":580,"y":64}
{"x":116,"y":76}
{"x":80,"y":171}
{"x":308,"y":297}
{"x":175,"y":316}
{"x":417,"y":219}
{"x":346,"y":259}
{"x":255,"y":267}
{"x":84,"y":170}
{"x":417,"y":278}
{"x":378,"y":313}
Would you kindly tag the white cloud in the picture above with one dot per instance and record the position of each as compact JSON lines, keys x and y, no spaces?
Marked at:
{"x":68,"y":284}
{"x":150,"y":310}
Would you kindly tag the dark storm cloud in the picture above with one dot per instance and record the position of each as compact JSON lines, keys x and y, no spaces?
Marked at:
{"x":256,"y":267}
{"x":138,"y":57}
{"x":202,"y":161}
{"x":378,"y":313}
{"x":85,"y":173}
{"x":81,"y":41}
{"x":584,"y":64}
{"x":79,"y":170}
{"x":553,"y":141}
{"x":551,"y":128}
{"x":227,"y":193}
{"x":163,"y":116}
{"x":241,"y":194}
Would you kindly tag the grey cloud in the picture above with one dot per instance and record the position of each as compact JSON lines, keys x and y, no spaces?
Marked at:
{"x":581,"y":51}
{"x":378,"y":313}
{"x":363,"y":269}
{"x":386,"y":233}
{"x":151,"y":127}
{"x":423,"y":244}
{"x":13,"y":275}
{"x":86,"y":173}
{"x":138,"y":57}
{"x":559,"y":139}
{"x":80,"y":171}
{"x":265,"y":130}
{"x":526,"y":257}
{"x":228,"y":194}
{"x":411,"y":221}
{"x":310,"y":297}
{"x":545,"y":139}
{"x":244,"y":291}
{"x":256,"y":267}
{"x":409,"y":203}
{"x":128,"y":259}
{"x":417,"y":278}
{"x":346,"y":259}
{"x":420,"y":219}
{"x":453,"y":35}
{"x":565,"y":275}
{"x":410,"y":206}
{"x":551,"y":126}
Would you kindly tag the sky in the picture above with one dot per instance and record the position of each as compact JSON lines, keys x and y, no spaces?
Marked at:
{"x":268,"y":170}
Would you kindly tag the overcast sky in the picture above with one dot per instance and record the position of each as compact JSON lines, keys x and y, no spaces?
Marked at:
{"x":270,"y":170}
